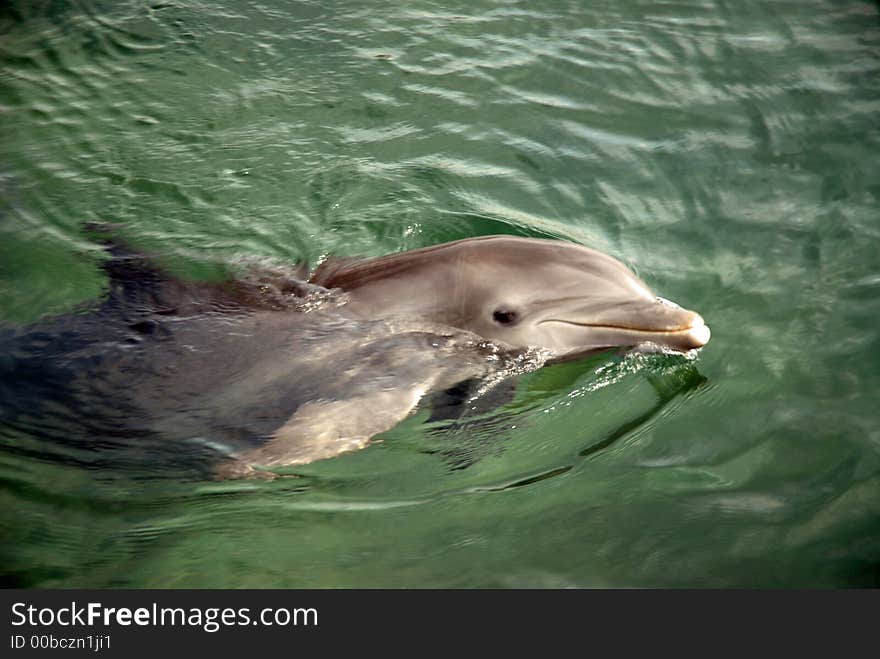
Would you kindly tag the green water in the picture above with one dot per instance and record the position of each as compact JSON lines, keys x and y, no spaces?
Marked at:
{"x":726,"y":151}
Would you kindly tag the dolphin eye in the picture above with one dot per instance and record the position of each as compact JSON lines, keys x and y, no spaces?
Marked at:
{"x":504,"y":316}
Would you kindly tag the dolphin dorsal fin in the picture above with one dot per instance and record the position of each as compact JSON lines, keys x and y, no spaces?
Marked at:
{"x":137,"y":281}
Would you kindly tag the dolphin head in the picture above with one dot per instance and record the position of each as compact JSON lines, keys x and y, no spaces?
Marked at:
{"x":521,"y":292}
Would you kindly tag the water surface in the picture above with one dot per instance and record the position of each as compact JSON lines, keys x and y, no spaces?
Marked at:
{"x":726,"y":151}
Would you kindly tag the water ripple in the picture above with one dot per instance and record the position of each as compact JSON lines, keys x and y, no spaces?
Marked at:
{"x":728,"y":154}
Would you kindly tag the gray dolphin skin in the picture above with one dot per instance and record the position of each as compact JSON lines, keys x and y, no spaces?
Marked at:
{"x":270,"y":370}
{"x":520,"y":292}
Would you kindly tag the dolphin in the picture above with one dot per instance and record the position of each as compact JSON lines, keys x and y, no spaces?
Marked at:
{"x":274,"y":368}
{"x":519,"y":292}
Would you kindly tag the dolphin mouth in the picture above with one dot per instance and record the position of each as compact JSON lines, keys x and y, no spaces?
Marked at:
{"x":683,"y":338}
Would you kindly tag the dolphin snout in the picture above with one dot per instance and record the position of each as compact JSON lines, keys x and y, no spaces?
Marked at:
{"x":667,"y":324}
{"x":696,"y":334}
{"x":653,"y":321}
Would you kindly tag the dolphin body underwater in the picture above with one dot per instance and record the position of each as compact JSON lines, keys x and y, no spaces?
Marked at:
{"x":275,"y":368}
